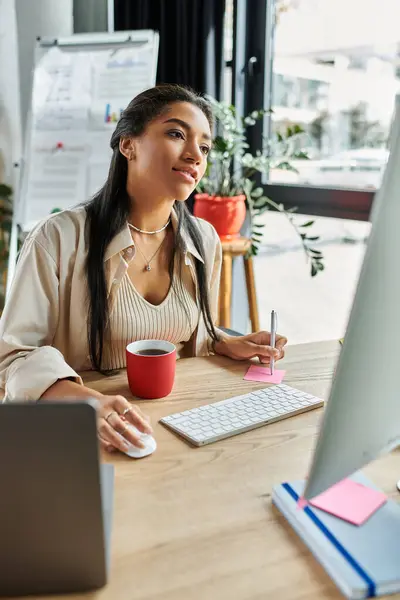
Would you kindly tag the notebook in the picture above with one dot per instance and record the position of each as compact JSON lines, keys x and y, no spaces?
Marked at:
{"x":362,"y":560}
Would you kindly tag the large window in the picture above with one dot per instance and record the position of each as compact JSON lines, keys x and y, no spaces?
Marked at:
{"x":333,"y":68}
{"x":336,"y":74}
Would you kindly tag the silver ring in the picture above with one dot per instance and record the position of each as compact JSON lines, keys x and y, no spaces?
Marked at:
{"x":109,"y":415}
{"x":127,"y":410}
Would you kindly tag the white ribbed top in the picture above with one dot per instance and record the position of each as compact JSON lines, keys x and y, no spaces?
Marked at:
{"x":133,"y":319}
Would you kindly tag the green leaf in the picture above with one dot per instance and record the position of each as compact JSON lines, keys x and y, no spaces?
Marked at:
{"x":285,"y":166}
{"x":308,"y":224}
{"x":259,"y":225}
{"x":297,"y":129}
{"x":313,"y":238}
{"x":257,"y":192}
{"x":313,"y":270}
{"x":220,"y":144}
{"x":261,"y":202}
{"x":300,"y":155}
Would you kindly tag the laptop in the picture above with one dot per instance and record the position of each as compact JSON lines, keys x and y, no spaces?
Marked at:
{"x":55,"y":500}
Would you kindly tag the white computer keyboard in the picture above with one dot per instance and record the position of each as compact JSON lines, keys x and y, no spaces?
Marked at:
{"x":213,"y":422}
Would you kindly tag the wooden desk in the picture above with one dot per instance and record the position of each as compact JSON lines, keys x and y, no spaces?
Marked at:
{"x":198,"y":523}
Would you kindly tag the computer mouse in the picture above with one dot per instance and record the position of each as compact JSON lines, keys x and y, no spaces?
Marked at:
{"x":149,"y":442}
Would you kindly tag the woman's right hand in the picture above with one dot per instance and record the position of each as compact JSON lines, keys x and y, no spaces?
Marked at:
{"x":114,"y":414}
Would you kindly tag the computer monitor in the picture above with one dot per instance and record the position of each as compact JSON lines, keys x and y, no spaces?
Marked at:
{"x":362,"y":417}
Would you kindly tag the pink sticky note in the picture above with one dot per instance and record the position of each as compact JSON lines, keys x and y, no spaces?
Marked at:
{"x":257,"y":373}
{"x":350,"y":501}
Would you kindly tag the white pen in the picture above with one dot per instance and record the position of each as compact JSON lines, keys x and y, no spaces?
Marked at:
{"x":274,"y":321}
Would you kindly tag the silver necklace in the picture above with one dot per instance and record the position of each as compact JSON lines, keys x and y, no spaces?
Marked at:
{"x":148,"y":267}
{"x":150,"y":232}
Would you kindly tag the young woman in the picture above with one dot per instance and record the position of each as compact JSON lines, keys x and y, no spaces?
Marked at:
{"x":130,"y":264}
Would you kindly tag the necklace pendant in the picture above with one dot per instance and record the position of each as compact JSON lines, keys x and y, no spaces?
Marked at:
{"x":148,"y":268}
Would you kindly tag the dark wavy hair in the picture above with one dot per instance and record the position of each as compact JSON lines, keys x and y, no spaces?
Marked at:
{"x":108,"y":211}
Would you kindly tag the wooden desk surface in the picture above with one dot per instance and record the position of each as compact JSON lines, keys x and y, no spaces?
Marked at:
{"x":198,"y":523}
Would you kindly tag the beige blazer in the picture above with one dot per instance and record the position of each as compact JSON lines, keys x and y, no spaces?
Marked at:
{"x":43,"y":328}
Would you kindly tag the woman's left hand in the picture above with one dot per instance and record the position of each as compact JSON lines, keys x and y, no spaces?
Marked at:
{"x":244,"y":347}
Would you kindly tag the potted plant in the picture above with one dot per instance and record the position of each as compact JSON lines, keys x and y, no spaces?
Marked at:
{"x":227,"y":192}
{"x":6,"y":212}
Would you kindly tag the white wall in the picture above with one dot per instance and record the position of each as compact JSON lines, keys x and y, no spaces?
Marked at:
{"x":44,"y":18}
{"x":90,"y":15}
{"x":10,"y":130}
{"x":21,"y":21}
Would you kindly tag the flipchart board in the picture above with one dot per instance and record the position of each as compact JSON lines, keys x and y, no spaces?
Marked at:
{"x":81,"y":84}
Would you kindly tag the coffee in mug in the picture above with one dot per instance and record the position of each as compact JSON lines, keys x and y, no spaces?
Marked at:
{"x":151,"y":352}
{"x":150,"y":366}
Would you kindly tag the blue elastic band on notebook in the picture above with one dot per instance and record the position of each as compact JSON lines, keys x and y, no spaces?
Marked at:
{"x":335,"y":542}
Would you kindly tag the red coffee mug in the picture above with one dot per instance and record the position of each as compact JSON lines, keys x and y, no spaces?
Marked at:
{"x":150,"y":367}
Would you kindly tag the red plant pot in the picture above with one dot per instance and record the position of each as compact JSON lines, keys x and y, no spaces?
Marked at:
{"x":225,"y":213}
